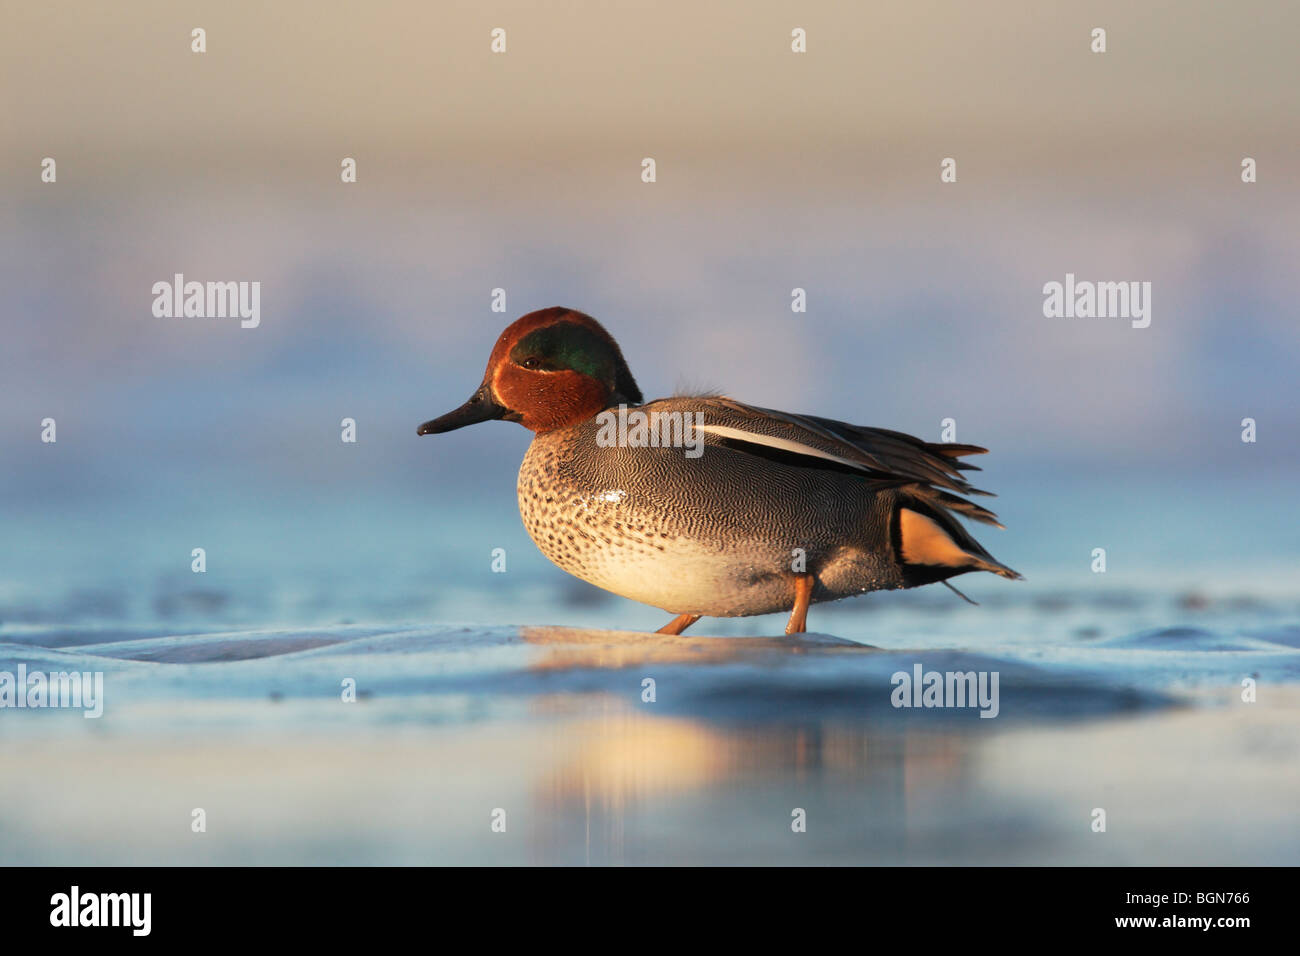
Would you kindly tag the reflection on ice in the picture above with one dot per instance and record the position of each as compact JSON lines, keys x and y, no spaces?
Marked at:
{"x":739,"y":739}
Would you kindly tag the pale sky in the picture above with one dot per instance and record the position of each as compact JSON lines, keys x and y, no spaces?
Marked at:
{"x":417,"y":81}
{"x":522,"y":171}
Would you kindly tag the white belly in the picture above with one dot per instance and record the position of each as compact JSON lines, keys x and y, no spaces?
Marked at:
{"x":612,"y":538}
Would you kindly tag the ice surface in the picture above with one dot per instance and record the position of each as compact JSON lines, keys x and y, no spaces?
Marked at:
{"x":550,"y":724}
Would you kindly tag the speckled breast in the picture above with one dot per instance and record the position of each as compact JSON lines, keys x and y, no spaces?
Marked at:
{"x":719,"y":534}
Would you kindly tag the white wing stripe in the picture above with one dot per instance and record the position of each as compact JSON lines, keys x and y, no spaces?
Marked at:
{"x":772,"y":441}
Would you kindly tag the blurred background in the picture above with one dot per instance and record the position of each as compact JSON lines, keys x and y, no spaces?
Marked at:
{"x":521,"y":171}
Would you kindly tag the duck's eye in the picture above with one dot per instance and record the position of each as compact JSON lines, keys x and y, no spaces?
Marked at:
{"x":532,"y":362}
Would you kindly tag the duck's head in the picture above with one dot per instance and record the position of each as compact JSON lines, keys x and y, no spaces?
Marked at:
{"x":549,"y":369}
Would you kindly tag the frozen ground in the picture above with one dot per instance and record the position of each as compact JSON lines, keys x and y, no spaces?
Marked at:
{"x":549,"y":724}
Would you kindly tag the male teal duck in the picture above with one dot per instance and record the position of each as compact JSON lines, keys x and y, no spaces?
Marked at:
{"x":706,"y":506}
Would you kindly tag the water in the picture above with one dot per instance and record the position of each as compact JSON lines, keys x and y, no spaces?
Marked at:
{"x":522,"y":692}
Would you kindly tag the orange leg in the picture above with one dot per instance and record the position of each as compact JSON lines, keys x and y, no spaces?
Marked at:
{"x":678,"y":624}
{"x":803,"y":589}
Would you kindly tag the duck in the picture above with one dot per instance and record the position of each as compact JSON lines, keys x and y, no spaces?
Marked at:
{"x":704,"y":506}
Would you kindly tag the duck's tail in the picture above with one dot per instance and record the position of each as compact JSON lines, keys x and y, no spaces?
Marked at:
{"x":932,"y":545}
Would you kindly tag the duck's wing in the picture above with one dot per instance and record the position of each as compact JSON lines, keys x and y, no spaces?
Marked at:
{"x":883,"y":457}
